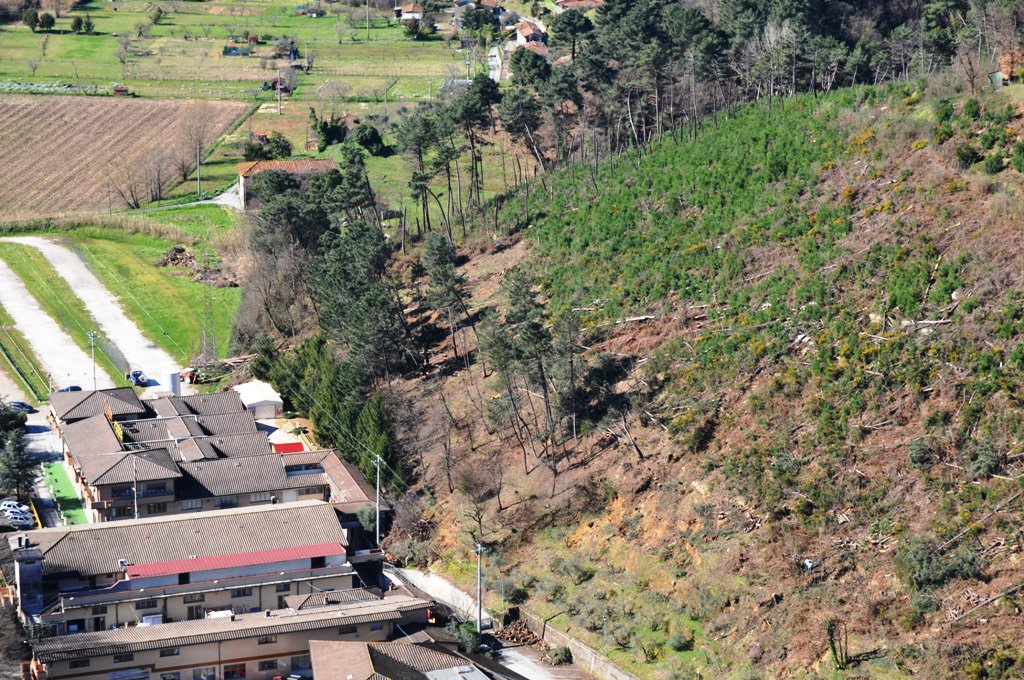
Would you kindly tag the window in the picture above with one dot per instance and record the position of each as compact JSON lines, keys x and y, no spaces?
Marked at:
{"x":205,"y":673}
{"x":125,"y":511}
{"x":121,"y":492}
{"x":241,"y":592}
{"x":192,"y":598}
{"x":196,"y":612}
{"x":99,"y":610}
{"x":156,"y":489}
{"x":301,"y":663}
{"x":146,"y":604}
{"x":170,"y":676}
{"x":195,"y":504}
{"x":346,"y":630}
{"x":270,"y":665}
{"x":262,"y":497}
{"x":284,"y":587}
{"x":267,"y":640}
{"x":79,"y":663}
{"x":124,"y":658}
{"x":75,"y":626}
{"x":312,"y":491}
{"x":234,"y":671}
{"x":227,"y":502}
{"x":170,"y":651}
{"x":379,"y":625}
{"x":156,"y":508}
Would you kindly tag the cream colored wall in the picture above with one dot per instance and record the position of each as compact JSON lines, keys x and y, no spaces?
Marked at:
{"x":247,"y":651}
{"x":176,"y":609}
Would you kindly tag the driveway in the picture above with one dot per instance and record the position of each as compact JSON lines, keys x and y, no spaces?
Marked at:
{"x":66,"y":363}
{"x":104,"y":307}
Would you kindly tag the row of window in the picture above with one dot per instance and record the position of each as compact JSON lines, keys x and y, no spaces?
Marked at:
{"x":192,"y":598}
{"x":234,"y":671}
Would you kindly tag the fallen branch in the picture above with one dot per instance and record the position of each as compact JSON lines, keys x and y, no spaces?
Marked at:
{"x":1008,"y":591}
{"x":974,"y":525}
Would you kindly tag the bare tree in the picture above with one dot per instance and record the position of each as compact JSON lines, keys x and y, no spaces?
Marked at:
{"x":310,"y":58}
{"x":124,"y":52}
{"x":33,"y":64}
{"x":194,"y":135}
{"x":155,"y":174}
{"x":966,"y":64}
{"x":335,"y":92}
{"x":128,"y":182}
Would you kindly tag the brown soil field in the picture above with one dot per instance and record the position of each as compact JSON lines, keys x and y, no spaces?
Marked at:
{"x":67,"y":153}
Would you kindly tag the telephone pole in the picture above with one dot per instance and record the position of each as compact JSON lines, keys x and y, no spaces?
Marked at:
{"x":92,"y":346}
{"x":199,"y":180}
{"x":376,"y":524}
{"x":479,"y":588}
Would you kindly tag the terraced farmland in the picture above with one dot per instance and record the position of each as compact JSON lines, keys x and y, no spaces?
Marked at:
{"x":68,"y":153}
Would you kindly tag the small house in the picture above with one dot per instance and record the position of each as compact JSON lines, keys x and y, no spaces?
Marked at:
{"x":528,"y":31}
{"x":409,"y":12}
{"x":304,"y":166}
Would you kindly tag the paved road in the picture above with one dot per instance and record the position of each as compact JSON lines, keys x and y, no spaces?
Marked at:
{"x":61,"y":357}
{"x":104,"y":307}
{"x":9,"y":390}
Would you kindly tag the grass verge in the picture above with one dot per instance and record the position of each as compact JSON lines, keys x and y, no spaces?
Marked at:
{"x":167,"y":306}
{"x":25,"y":367}
{"x":56,"y":298}
{"x":69,"y":505}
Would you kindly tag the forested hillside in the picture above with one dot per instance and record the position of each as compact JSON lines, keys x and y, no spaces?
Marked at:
{"x":730,"y":386}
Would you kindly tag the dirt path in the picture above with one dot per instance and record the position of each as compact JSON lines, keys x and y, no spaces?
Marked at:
{"x":66,"y":363}
{"x":104,"y":307}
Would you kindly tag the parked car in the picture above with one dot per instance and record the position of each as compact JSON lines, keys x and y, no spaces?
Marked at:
{"x":70,"y":388}
{"x":21,"y":406}
{"x":17,"y":514}
{"x":137,"y":378}
{"x":14,"y":506}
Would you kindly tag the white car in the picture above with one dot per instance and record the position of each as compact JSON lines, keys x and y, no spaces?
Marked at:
{"x":14,"y":506}
{"x":17,"y":515}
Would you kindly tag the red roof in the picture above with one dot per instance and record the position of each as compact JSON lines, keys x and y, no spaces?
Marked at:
{"x":288,"y":447}
{"x":299,"y":166}
{"x":236,"y":560}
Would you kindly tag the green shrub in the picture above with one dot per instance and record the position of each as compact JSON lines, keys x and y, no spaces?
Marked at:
{"x":558,"y":656}
{"x":944,"y":110}
{"x":942,"y":133}
{"x":982,"y":459}
{"x":681,"y":641}
{"x":921,"y":453}
{"x":967,"y":155}
{"x":972,"y":109}
{"x":919,"y":565}
{"x":994,"y":162}
{"x":1017,"y":159}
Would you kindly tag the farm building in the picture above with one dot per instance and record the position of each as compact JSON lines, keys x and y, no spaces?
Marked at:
{"x":260,"y":399}
{"x":308,"y":166}
{"x":388,"y":661}
{"x":409,"y":12}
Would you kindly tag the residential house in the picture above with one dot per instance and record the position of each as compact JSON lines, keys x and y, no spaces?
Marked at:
{"x":363,"y":660}
{"x":180,"y":567}
{"x":493,"y":5}
{"x":120,"y":403}
{"x":528,"y":31}
{"x":409,"y":12}
{"x":306,"y":166}
{"x":257,"y":646}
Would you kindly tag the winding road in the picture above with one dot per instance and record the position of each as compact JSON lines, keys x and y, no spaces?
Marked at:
{"x":62,"y":358}
{"x":105,"y":308}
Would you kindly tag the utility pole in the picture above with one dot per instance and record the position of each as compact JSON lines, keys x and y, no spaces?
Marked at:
{"x":279,"y":87}
{"x":367,"y":20}
{"x":376,"y":524}
{"x":92,"y":346}
{"x":135,"y":484}
{"x":479,"y":588}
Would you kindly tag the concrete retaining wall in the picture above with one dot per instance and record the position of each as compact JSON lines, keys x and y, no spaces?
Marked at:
{"x":582,"y":656}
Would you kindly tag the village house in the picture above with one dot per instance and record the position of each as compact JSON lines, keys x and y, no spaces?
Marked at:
{"x":528,"y":31}
{"x":409,"y":12}
{"x":305,"y":166}
{"x":93,"y":577}
{"x":261,"y":399}
{"x":257,"y":646}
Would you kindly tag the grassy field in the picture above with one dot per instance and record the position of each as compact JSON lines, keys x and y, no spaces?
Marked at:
{"x":25,"y":367}
{"x":56,"y":298}
{"x":182,"y":55}
{"x":165,"y":303}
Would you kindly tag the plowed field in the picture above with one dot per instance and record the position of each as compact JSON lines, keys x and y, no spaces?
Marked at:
{"x":65,"y":153}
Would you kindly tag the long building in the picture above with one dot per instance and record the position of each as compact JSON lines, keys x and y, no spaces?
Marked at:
{"x":257,"y":646}
{"x":184,"y":567}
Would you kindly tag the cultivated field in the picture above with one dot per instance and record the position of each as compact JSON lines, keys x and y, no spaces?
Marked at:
{"x":66,"y":153}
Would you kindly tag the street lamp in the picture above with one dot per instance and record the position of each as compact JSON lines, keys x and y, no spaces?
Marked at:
{"x":92,"y":346}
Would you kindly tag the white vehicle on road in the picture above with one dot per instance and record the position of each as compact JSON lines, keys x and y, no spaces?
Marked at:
{"x":14,"y":506}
